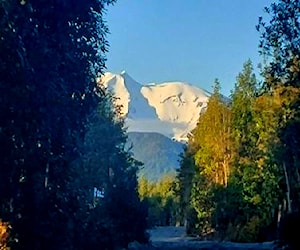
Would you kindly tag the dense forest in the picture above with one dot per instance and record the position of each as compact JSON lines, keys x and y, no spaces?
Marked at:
{"x":66,"y":180}
{"x":239,"y":176}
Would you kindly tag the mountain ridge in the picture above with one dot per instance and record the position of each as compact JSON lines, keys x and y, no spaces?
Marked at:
{"x":169,"y":108}
{"x":158,"y":153}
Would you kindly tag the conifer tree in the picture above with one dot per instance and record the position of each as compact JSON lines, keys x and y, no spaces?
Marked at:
{"x":255,"y":175}
{"x":244,"y":137}
{"x":243,"y":97}
{"x":118,"y":216}
{"x":185,"y":179}
{"x":51,"y":55}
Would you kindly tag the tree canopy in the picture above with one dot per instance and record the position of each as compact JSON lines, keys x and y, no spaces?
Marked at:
{"x":256,"y":136}
{"x":52,"y":53}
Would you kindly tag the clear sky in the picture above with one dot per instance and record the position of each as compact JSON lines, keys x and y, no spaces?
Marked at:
{"x":194,"y":41}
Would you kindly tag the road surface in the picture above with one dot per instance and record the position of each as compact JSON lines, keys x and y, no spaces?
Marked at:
{"x":175,"y":238}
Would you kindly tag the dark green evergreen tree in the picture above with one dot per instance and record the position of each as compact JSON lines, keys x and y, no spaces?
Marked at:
{"x":51,"y":54}
{"x":245,"y":152}
{"x":185,"y":179}
{"x":243,"y":97}
{"x":254,"y":175}
{"x":118,"y":215}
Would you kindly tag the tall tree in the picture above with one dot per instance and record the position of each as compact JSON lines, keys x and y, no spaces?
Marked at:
{"x":51,"y":55}
{"x":243,"y":97}
{"x":280,"y":42}
{"x":255,"y":174}
{"x":185,"y":179}
{"x":213,"y":136}
{"x":245,"y":139}
{"x":118,"y":217}
{"x":212,"y":156}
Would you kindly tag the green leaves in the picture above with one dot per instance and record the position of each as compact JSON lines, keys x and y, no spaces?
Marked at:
{"x":206,"y":161}
{"x":280,"y":37}
{"x":235,"y":183}
{"x":241,"y":166}
{"x":161,"y":199}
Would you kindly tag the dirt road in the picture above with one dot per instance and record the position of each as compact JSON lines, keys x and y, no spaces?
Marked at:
{"x":175,"y":238}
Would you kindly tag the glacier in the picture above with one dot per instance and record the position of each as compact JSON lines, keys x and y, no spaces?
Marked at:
{"x":169,"y":108}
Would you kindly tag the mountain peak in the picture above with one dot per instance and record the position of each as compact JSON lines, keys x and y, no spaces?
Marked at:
{"x":125,"y":74}
{"x":128,"y":79}
{"x":169,"y":108}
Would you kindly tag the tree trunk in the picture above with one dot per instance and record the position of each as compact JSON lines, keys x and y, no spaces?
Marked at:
{"x":288,"y":193}
{"x":46,"y":174}
{"x":225,"y":170}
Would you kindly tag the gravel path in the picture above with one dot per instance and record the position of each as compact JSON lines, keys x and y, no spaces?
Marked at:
{"x":175,"y":238}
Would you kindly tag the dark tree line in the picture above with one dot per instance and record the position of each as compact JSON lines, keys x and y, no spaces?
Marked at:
{"x":51,"y":55}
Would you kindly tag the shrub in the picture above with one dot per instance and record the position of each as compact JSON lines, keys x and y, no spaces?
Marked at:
{"x":4,"y":235}
{"x":250,"y":231}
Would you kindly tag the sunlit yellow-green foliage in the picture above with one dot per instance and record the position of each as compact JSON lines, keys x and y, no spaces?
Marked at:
{"x":212,"y":144}
{"x":235,"y":184}
{"x":161,"y":188}
{"x":4,"y":235}
{"x":161,"y":200}
{"x":212,"y":134}
{"x":239,"y":175}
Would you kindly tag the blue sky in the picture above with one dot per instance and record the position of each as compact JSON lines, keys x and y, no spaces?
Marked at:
{"x":194,"y":41}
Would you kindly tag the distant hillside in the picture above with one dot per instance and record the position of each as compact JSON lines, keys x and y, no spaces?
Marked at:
{"x":158,"y":153}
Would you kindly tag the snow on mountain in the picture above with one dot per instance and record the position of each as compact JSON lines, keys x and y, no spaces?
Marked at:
{"x":135,"y":106}
{"x":170,"y":108}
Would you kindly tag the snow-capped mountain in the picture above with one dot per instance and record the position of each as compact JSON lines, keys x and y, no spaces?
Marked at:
{"x":169,"y":108}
